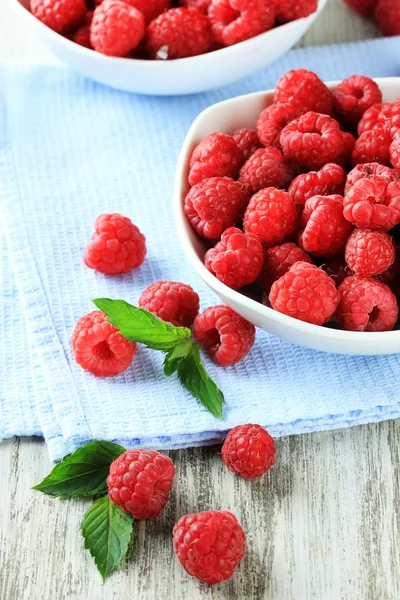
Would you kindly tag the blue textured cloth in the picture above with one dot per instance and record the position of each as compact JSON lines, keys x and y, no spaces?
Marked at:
{"x":71,"y":149}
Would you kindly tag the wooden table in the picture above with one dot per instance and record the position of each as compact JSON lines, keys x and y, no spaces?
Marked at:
{"x":324,"y":524}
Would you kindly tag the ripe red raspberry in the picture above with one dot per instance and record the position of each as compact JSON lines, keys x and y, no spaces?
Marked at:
{"x":117,"y":28}
{"x":234,"y":21}
{"x":365,"y":170}
{"x":266,"y":168}
{"x":82,"y":35}
{"x":215,"y":204}
{"x":117,"y":246}
{"x":178,"y":33}
{"x":290,"y":11}
{"x":98,"y":346}
{"x":312,"y":140}
{"x":389,"y":116}
{"x":140,"y":481}
{"x":305,"y":293}
{"x":150,"y":9}
{"x":373,"y":146}
{"x":217,"y":155}
{"x":336,"y":267}
{"x":305,"y":91}
{"x":247,"y":140}
{"x":249,"y":451}
{"x":394,"y":151}
{"x":209,"y":545}
{"x":364,"y":8}
{"x":369,"y":252}
{"x":387,"y":17}
{"x":272,"y":215}
{"x":366,"y":305}
{"x":272,"y":120}
{"x":353,"y":96}
{"x":58,"y":14}
{"x":328,"y":180}
{"x":201,"y":5}
{"x":372,"y":116}
{"x":237,"y":259}
{"x":372,"y":203}
{"x":174,"y":302}
{"x":225,"y":335}
{"x":277,"y":262}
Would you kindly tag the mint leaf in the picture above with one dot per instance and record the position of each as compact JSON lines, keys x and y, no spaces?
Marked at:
{"x":196,"y":380}
{"x":175,"y":356}
{"x":139,"y":325}
{"x":107,"y":531}
{"x":82,"y":473}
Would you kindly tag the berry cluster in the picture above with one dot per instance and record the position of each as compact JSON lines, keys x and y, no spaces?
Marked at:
{"x":158,"y":29}
{"x":385,"y":12}
{"x":307,"y":204}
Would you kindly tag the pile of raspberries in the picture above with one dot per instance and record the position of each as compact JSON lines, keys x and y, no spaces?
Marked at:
{"x":307,"y":204}
{"x":164,"y":29}
{"x":385,"y":12}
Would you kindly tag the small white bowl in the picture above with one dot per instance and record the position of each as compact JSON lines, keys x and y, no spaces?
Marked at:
{"x":225,"y":117}
{"x":175,"y":77}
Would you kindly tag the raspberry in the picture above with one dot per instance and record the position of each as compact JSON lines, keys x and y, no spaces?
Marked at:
{"x":217,"y":155}
{"x":249,"y":451}
{"x":367,"y":169}
{"x":234,"y":21}
{"x":247,"y":140}
{"x":266,"y":168}
{"x":82,"y":35}
{"x":201,"y":5}
{"x":117,"y":28}
{"x":58,"y":14}
{"x":364,"y":8}
{"x":140,"y":481}
{"x":373,"y":146}
{"x":312,"y":140}
{"x":277,"y":262}
{"x":353,"y":96}
{"x":389,"y":117}
{"x":348,"y":143}
{"x":178,"y":33}
{"x":387,"y":17}
{"x":98,"y":346}
{"x":325,"y":229}
{"x":326,"y":181}
{"x":305,"y":91}
{"x":209,"y":545}
{"x":214,"y":204}
{"x":369,"y":252}
{"x":150,"y":9}
{"x":372,"y":116}
{"x":225,"y":335}
{"x":272,"y":120}
{"x":372,"y":203}
{"x":337,"y":269}
{"x":366,"y":305}
{"x":272,"y":215}
{"x":174,"y":302}
{"x":394,"y":151}
{"x":117,"y":246}
{"x":305,"y":293}
{"x":290,"y":10}
{"x":237,"y":259}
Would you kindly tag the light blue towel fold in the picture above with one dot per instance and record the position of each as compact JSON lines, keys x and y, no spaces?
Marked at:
{"x":71,"y":149}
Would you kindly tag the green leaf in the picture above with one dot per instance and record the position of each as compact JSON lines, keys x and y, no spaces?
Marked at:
{"x":175,"y":356}
{"x":139,"y":325}
{"x":107,"y":531}
{"x":196,"y":380}
{"x":82,"y":473}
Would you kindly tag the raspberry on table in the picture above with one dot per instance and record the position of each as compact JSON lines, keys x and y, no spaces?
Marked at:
{"x":171,"y":301}
{"x":249,"y":451}
{"x":266,"y":167}
{"x":234,"y":21}
{"x":328,"y":180}
{"x":201,"y":5}
{"x":247,"y":140}
{"x":271,"y":215}
{"x":150,"y":9}
{"x":209,"y":545}
{"x":117,"y":245}
{"x":353,"y":96}
{"x":305,"y":91}
{"x":305,"y":293}
{"x":366,"y":169}
{"x":372,"y":116}
{"x":178,"y":33}
{"x":217,"y":155}
{"x":58,"y":14}
{"x":215,"y":204}
{"x":372,"y":203}
{"x":117,"y":28}
{"x":277,"y":262}
{"x":272,"y":120}
{"x":366,"y":305}
{"x":225,"y":335}
{"x":237,"y":259}
{"x":290,"y":10}
{"x":337,"y":268}
{"x":373,"y":146}
{"x":364,"y":8}
{"x":387,"y":17}
{"x":370,"y":252}
{"x":140,"y":481}
{"x":99,"y":347}
{"x":82,"y":35}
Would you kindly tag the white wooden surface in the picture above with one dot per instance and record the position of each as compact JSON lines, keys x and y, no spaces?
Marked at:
{"x":323,"y":525}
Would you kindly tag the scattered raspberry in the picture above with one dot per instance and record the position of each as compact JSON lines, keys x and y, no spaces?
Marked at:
{"x":277,"y":262}
{"x":364,"y":8}
{"x":373,"y":146}
{"x":234,"y":21}
{"x":215,"y":204}
{"x":225,"y":335}
{"x":177,"y":33}
{"x":247,"y":140}
{"x":328,"y":180}
{"x":82,"y":35}
{"x":372,"y":203}
{"x":387,"y":17}
{"x":98,"y":346}
{"x":394,"y":151}
{"x":237,"y":259}
{"x":367,"y":169}
{"x":140,"y":481}
{"x":272,"y":215}
{"x":150,"y":9}
{"x":249,"y":451}
{"x":369,"y":252}
{"x":58,"y":14}
{"x":217,"y":155}
{"x":373,"y":116}
{"x":272,"y":120}
{"x":305,"y":91}
{"x":209,"y":545}
{"x":353,"y":96}
{"x":117,"y":28}
{"x":366,"y":305}
{"x":290,"y":10}
{"x":336,"y":267}
{"x":201,"y":5}
{"x":174,"y":302}
{"x":266,"y":168}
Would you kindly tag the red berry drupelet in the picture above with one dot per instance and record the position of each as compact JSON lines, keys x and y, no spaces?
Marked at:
{"x":353,"y":96}
{"x":277,"y":262}
{"x":234,"y":21}
{"x":370,"y":252}
{"x":305,"y":91}
{"x":140,"y":482}
{"x":267,"y":167}
{"x":249,"y":451}
{"x":117,"y":28}
{"x":387,"y":17}
{"x":58,"y":14}
{"x":247,"y":140}
{"x":290,"y":11}
{"x":328,"y":180}
{"x":272,"y":120}
{"x":366,"y":169}
{"x":150,"y":8}
{"x":373,"y":146}
{"x":217,"y":155}
{"x":201,"y":5}
{"x":372,"y":203}
{"x":372,"y":117}
{"x":209,"y":545}
{"x":171,"y":301}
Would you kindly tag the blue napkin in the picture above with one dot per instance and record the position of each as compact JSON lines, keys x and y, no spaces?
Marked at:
{"x":71,"y":149}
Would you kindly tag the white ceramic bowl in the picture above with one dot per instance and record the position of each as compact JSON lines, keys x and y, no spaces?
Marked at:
{"x":225,"y":117}
{"x":167,"y":78}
